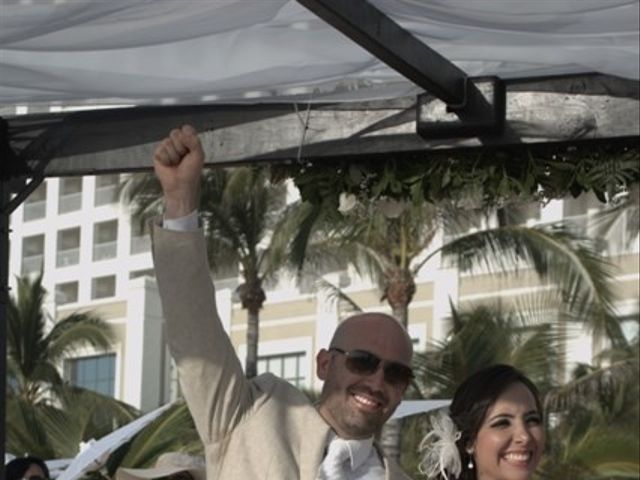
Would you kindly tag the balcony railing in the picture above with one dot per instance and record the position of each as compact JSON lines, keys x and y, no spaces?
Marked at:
{"x":68,"y":257}
{"x":32,"y":264}
{"x":104,"y":251}
{"x":106,"y":195}
{"x":70,"y":202}
{"x":66,"y":296}
{"x":140,"y":244}
{"x":34,"y":210}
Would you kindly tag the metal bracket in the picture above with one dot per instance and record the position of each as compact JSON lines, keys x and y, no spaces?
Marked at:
{"x":482,"y":114}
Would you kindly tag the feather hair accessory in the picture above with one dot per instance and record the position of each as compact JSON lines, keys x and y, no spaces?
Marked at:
{"x":439,"y":446}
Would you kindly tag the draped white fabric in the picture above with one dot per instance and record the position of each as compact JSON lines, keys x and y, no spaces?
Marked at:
{"x":193,"y":51}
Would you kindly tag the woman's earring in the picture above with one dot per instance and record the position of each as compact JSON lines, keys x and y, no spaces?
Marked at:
{"x":470,"y":464}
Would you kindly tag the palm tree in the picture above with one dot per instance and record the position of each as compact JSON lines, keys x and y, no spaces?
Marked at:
{"x":391,"y":242}
{"x":485,"y":335}
{"x":242,"y":215}
{"x":47,"y":416}
{"x":50,"y":430}
{"x":596,"y":416}
{"x":173,"y":431}
{"x":36,"y":344}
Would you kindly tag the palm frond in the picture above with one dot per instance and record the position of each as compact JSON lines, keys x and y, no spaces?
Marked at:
{"x":174,"y":430}
{"x":599,"y":452}
{"x":484,"y":335}
{"x":592,"y":385}
{"x":623,"y":217}
{"x":337,"y":294}
{"x":142,"y":191}
{"x":557,"y":255}
{"x":78,"y":330}
{"x":26,"y":432}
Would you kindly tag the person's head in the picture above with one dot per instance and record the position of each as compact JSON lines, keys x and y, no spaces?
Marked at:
{"x":170,"y":465}
{"x":30,"y":468}
{"x":499,"y":415}
{"x":365,"y":370}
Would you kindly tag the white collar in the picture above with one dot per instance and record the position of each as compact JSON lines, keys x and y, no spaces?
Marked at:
{"x":359,"y":449}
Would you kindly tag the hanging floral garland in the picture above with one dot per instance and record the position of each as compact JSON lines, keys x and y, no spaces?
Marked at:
{"x":470,"y":179}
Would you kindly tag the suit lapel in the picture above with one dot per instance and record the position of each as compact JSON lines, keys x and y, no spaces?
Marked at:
{"x":312,"y":445}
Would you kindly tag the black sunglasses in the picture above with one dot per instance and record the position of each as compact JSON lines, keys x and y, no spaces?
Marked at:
{"x":362,"y":362}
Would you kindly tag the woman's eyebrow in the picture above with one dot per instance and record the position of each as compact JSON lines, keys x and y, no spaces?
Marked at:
{"x":501,"y":415}
{"x":510,"y":415}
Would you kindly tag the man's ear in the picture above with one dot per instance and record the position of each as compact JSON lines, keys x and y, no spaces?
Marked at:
{"x":323,"y":359}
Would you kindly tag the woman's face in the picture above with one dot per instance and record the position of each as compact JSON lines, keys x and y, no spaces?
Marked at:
{"x":510,"y":441}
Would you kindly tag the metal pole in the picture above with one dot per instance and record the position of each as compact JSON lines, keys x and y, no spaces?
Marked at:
{"x":4,"y":300}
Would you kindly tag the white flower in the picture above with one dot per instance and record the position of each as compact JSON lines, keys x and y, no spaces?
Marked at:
{"x":348,"y":201}
{"x":390,"y":207}
{"x":440,"y":451}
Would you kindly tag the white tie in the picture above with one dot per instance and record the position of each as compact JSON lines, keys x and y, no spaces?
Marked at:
{"x":335,"y":463}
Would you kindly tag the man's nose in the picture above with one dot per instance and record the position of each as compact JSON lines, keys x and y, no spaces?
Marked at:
{"x":376,"y":379}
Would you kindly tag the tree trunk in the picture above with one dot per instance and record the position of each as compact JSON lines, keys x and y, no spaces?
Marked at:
{"x":252,"y":297}
{"x":399,"y":292}
{"x":253,"y":328}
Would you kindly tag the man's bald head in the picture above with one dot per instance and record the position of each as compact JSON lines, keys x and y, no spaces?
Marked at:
{"x":365,"y":331}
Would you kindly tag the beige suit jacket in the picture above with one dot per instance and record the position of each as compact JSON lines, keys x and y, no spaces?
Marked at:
{"x":252,"y":430}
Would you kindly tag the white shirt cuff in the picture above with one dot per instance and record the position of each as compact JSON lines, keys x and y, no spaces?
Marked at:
{"x":188,"y":223}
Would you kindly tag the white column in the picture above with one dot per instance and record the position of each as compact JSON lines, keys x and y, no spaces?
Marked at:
{"x":327,"y":317}
{"x":144,"y":362}
{"x":552,"y":211}
{"x":445,"y":289}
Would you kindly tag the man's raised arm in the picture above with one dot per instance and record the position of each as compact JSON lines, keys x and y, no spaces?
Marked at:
{"x":210,"y":374}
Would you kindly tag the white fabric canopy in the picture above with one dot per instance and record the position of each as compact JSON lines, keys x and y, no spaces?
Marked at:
{"x":194,"y":51}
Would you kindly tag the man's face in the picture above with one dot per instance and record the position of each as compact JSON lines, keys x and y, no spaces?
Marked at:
{"x":355,"y":405}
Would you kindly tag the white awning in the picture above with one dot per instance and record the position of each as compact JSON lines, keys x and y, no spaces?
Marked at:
{"x":195,"y":51}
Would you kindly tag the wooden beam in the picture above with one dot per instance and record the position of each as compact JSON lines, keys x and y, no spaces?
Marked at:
{"x":374,"y":31}
{"x":476,"y":108}
{"x":547,"y":110}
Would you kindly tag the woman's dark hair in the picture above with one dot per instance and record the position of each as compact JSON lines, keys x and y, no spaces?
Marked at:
{"x":17,"y":467}
{"x":474,"y":397}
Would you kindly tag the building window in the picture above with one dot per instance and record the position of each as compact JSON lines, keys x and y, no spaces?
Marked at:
{"x":103,"y":287}
{"x":140,"y":239}
{"x":68,"y":247}
{"x":287,"y":367}
{"x":66,"y":293}
{"x":106,"y":189}
{"x":32,"y":254}
{"x":70,"y":194}
{"x":93,"y":373}
{"x":148,"y":272}
{"x":35,"y":206}
{"x":105,"y":240}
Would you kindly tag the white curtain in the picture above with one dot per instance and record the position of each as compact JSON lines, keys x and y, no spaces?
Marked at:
{"x":194,"y":51}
